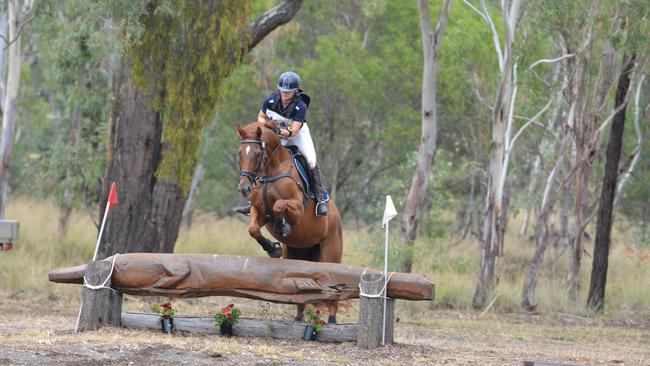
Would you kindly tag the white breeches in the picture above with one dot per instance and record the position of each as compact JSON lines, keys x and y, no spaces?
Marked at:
{"x":306,"y":146}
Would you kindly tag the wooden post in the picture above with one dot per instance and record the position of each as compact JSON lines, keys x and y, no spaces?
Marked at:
{"x":100,"y":306}
{"x":371,"y":312}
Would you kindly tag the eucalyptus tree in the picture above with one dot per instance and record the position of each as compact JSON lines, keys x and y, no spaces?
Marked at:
{"x":634,"y":41}
{"x":588,"y":36}
{"x":167,"y":89}
{"x":493,"y":228}
{"x":431,"y":42}
{"x":18,"y":13}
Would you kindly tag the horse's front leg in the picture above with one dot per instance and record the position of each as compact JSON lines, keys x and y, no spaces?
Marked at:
{"x":255,"y":230}
{"x":287,"y":213}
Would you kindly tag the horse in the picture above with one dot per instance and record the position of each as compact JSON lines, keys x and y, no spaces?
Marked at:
{"x":279,"y":200}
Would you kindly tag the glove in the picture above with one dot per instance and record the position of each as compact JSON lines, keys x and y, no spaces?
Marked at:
{"x":273,"y":126}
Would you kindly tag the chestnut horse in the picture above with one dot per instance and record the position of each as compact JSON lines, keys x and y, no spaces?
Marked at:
{"x":278,"y":200}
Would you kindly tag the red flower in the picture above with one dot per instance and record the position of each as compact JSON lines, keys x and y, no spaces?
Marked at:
{"x":317,"y":311}
{"x":229,"y":316}
{"x":231,"y":306}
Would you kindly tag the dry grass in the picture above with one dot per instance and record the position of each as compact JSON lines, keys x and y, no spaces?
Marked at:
{"x":452,"y":266}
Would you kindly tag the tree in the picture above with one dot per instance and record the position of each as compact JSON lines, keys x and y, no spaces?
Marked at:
{"x":502,"y":114}
{"x":165,"y":93}
{"x":17,"y":12}
{"x":431,"y":41}
{"x":596,"y":297}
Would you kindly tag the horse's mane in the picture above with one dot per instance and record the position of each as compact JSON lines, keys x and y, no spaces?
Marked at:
{"x":250,"y":132}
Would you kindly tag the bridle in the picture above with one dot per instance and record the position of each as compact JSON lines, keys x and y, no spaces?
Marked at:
{"x":254,"y":176}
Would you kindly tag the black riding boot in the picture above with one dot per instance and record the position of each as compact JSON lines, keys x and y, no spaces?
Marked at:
{"x":246,"y":210}
{"x":321,"y":206}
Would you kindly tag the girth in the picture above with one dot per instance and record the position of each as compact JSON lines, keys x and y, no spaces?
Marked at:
{"x":265,"y":180}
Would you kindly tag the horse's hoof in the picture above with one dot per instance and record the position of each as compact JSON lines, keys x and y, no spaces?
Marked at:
{"x":331,"y":319}
{"x":286,"y":230}
{"x":276,"y":252}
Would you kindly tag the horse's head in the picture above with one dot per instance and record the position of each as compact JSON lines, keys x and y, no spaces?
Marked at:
{"x":256,"y":139}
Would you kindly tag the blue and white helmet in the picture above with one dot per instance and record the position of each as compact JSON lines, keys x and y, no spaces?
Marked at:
{"x":288,"y":81}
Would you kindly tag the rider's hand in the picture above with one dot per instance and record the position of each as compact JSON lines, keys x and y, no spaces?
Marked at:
{"x":273,"y":126}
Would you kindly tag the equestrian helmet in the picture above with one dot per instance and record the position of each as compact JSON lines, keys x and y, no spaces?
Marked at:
{"x":288,"y":81}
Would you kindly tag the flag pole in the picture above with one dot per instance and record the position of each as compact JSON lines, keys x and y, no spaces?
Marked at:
{"x":112,"y":200}
{"x":101,"y":230}
{"x":389,"y":214}
{"x":383,"y":331}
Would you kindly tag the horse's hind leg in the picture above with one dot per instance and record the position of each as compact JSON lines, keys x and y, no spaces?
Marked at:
{"x":332,"y":308}
{"x":287,"y":213}
{"x":330,"y":253}
{"x":331,"y":250}
{"x":300,"y":315}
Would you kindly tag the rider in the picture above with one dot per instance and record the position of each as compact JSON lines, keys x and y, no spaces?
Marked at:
{"x":287,"y":106}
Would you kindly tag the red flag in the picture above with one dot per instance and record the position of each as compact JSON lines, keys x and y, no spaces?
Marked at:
{"x":112,"y":197}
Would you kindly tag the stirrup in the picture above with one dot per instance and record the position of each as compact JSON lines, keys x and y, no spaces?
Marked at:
{"x":321,"y":209}
{"x":244,"y":210}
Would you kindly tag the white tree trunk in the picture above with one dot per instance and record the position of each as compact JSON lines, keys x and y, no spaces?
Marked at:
{"x":190,"y":204}
{"x":431,"y":41}
{"x":3,"y":34}
{"x":9,"y":116}
{"x":494,"y":227}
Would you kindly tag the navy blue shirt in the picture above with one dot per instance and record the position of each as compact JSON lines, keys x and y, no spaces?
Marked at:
{"x":296,"y":110}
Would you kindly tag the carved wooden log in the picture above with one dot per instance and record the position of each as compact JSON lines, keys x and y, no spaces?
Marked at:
{"x":245,"y":328}
{"x":276,"y":280}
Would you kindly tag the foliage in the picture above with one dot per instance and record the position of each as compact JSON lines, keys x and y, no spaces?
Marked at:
{"x":313,"y":318}
{"x":165,"y":310}
{"x":210,"y":38}
{"x":227,"y":315}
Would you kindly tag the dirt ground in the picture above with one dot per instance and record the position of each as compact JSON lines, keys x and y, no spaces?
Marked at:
{"x":41,"y":332}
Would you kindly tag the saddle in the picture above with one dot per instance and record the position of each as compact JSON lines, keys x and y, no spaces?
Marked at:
{"x":301,"y":165}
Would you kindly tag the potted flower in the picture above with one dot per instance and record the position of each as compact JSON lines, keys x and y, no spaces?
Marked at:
{"x":166,"y":316}
{"x":226,"y":318}
{"x":314,"y":324}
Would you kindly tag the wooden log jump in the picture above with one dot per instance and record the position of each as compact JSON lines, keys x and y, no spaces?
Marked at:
{"x":275,"y":280}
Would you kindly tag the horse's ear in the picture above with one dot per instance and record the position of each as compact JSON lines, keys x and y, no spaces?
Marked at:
{"x":259,"y":133}
{"x":240,"y":131}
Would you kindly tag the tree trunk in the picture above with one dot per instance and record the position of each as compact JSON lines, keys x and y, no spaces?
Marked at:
{"x":68,"y":195}
{"x":596,"y":296}
{"x":10,"y":104}
{"x":148,"y":216}
{"x":494,"y":225}
{"x":529,"y":301}
{"x":577,"y":248}
{"x":3,"y":33}
{"x":431,"y":41}
{"x":190,"y":205}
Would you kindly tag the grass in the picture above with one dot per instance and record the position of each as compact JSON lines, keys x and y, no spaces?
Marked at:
{"x":453,"y":267}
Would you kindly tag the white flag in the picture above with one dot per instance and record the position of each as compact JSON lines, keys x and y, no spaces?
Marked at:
{"x":389,"y":211}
